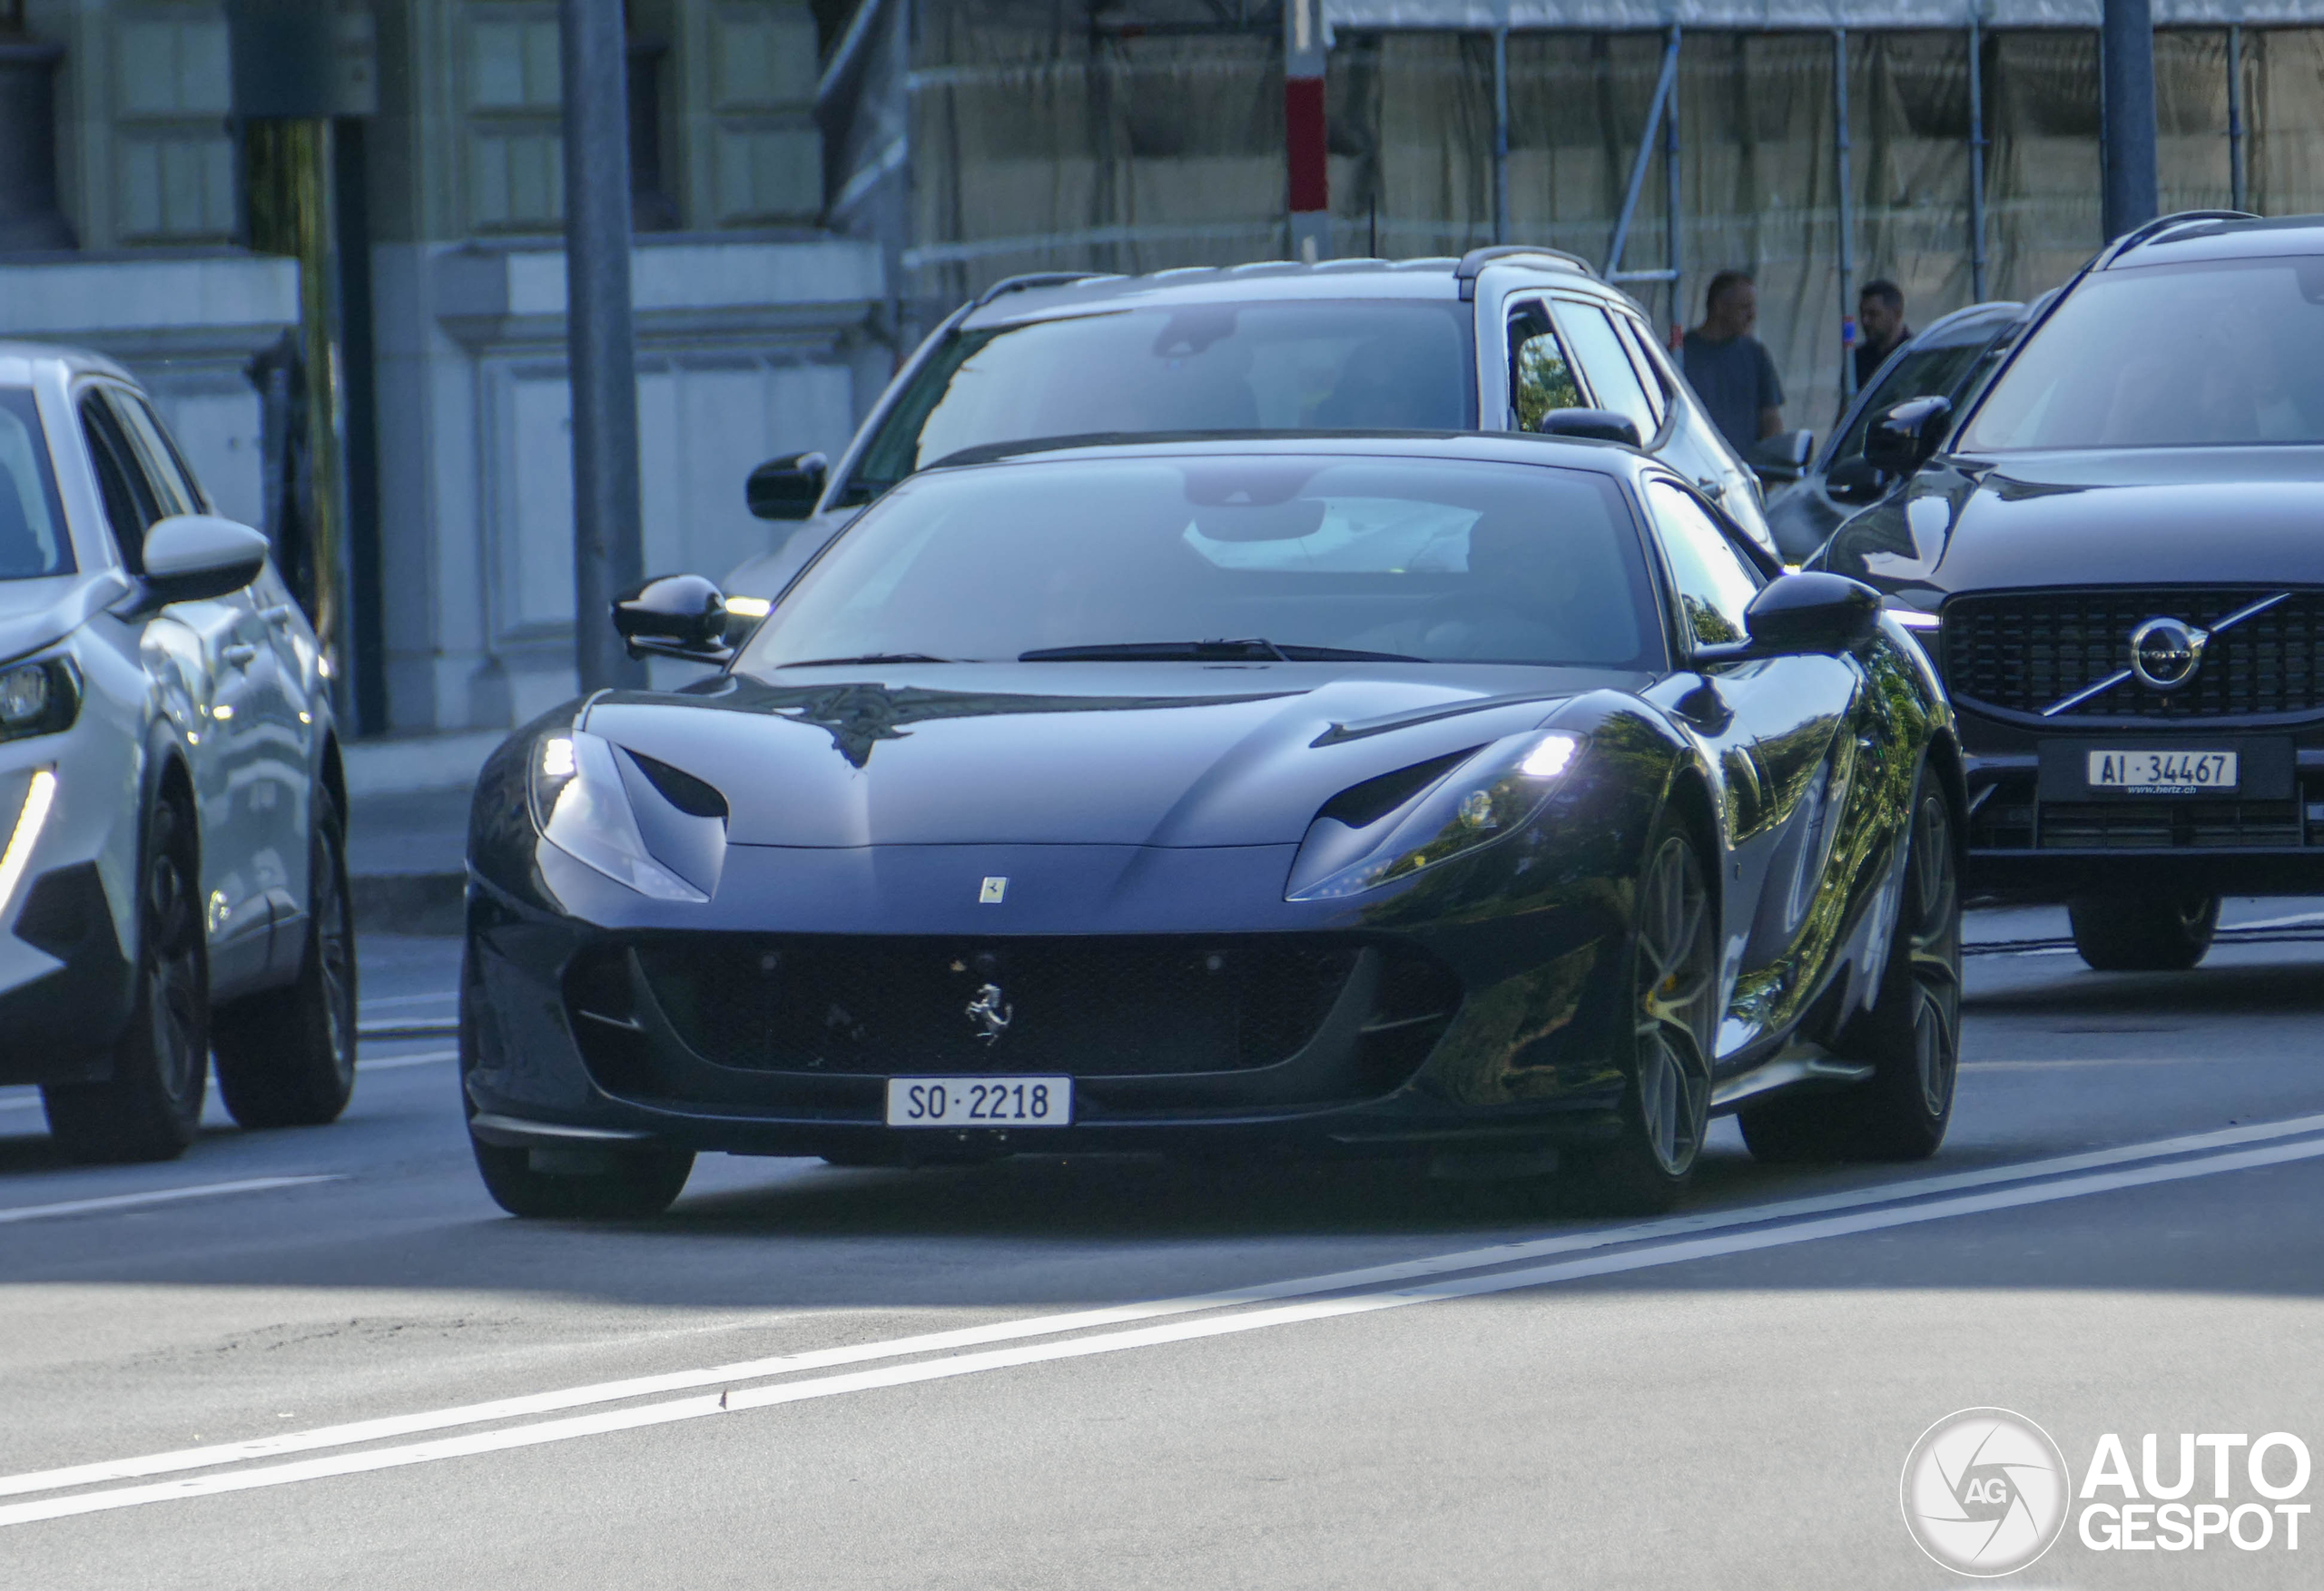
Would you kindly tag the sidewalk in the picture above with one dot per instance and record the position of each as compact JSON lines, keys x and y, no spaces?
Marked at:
{"x":406,"y":829}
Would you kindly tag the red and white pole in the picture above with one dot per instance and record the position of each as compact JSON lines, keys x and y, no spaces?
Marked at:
{"x":1307,"y":142}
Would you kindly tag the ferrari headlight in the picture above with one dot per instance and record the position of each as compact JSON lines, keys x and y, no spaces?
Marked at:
{"x":1492,"y":794}
{"x":580,"y":808}
{"x":38,"y":698}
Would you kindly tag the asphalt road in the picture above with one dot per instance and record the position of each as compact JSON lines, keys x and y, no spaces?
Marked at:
{"x":323,"y":1358}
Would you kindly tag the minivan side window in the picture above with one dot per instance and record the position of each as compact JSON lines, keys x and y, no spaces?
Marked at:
{"x":1635,"y":338}
{"x":165,"y":465}
{"x":1541,"y":377}
{"x":1606,"y":363}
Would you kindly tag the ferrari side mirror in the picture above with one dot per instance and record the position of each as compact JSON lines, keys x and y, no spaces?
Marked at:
{"x":676,"y":615}
{"x":1803,"y":615}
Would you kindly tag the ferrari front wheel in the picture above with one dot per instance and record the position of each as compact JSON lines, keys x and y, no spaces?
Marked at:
{"x":1672,"y":1015}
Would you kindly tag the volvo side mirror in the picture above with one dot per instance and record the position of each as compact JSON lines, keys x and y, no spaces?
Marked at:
{"x":192,"y":557}
{"x":1602,"y":425}
{"x":1908,"y":435}
{"x":676,"y":615}
{"x":788,"y":487}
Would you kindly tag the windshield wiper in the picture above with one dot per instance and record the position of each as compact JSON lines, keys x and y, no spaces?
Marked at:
{"x":869,"y":657}
{"x":1250,"y":649}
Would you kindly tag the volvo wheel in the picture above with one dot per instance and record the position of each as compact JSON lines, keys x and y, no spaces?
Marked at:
{"x":2143,"y":933}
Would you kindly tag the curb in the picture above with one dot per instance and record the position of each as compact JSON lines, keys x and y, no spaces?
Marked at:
{"x":430,"y":904}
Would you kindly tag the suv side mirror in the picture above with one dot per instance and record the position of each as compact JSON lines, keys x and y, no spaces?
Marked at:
{"x":1797,"y":614}
{"x":788,"y":487}
{"x":1783,"y":456}
{"x":676,"y":615}
{"x":191,"y":558}
{"x":1908,"y":435}
{"x":1602,"y":425}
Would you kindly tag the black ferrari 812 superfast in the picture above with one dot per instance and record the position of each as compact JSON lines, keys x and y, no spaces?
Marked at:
{"x":1487,"y":799}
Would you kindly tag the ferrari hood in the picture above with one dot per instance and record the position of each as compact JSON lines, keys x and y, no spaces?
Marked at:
{"x":1051,"y":753}
{"x":2161,"y":517}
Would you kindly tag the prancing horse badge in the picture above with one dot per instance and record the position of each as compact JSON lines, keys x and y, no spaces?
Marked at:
{"x":991,"y":895}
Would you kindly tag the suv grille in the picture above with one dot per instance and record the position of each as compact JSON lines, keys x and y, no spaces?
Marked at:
{"x":1116,"y":1007}
{"x":2023,"y":650}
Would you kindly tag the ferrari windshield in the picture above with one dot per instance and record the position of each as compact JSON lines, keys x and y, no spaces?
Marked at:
{"x":1238,"y":557}
{"x":1274,"y":366}
{"x":2169,"y":356}
{"x":33,"y":540}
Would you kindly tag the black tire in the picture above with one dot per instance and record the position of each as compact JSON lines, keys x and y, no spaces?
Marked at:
{"x":1672,"y":1015}
{"x":2139,"y":933}
{"x":150,"y":1106}
{"x":627,"y":1183}
{"x":286,"y":1057}
{"x":1912,"y":1035}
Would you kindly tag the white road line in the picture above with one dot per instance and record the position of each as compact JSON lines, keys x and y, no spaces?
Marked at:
{"x":441,"y":997}
{"x":29,"y":1102}
{"x":733,"y":1400}
{"x":1498,"y":1254}
{"x":157,"y":1196}
{"x":390,"y":1063}
{"x":2297,"y":920}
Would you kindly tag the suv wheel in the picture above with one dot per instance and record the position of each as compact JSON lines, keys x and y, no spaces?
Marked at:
{"x":151,"y":1105}
{"x":2139,"y":933}
{"x":286,"y":1057}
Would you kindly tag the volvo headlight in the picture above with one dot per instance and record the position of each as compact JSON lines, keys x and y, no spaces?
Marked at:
{"x":1495,"y":793}
{"x":580,"y":808}
{"x":1919,"y":621}
{"x":38,"y":698}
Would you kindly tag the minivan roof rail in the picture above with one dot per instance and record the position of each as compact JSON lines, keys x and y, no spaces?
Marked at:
{"x":1037,"y":278}
{"x":1476,"y":260}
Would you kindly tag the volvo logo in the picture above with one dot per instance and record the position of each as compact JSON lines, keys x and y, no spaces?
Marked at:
{"x":991,"y":1012}
{"x":2166,"y":652}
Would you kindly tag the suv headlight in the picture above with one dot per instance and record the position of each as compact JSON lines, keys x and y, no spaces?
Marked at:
{"x":580,"y":808}
{"x":1919,"y":621}
{"x":38,"y":698}
{"x":1493,"y":794}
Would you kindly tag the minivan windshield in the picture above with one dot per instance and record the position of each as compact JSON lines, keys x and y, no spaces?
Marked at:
{"x":1359,"y":365}
{"x":2218,"y":353}
{"x":33,"y":539}
{"x":1236,"y":558}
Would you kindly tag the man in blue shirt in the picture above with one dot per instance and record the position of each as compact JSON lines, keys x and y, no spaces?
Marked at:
{"x":1729,"y":368}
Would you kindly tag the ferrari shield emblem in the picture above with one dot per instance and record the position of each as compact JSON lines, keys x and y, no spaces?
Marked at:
{"x":992,"y":891}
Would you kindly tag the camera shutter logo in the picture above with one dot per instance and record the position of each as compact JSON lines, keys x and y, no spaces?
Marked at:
{"x":1985,"y":1492}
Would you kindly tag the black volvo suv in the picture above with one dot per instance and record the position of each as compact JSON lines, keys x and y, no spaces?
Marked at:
{"x":2115,"y":556}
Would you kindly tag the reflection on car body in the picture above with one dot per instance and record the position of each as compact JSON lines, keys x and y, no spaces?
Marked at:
{"x":1443,"y":796}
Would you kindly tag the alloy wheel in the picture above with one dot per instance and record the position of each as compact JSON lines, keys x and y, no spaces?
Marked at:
{"x":1933,"y":945}
{"x":1676,"y":987}
{"x":174,"y":951}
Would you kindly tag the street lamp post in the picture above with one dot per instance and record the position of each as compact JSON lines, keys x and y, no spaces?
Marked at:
{"x":608,"y":551}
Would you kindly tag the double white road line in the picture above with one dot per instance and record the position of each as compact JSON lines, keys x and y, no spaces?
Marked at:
{"x":727,"y":1388}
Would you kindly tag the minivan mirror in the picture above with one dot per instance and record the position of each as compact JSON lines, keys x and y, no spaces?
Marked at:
{"x":788,"y":487}
{"x":1600,"y":423}
{"x":1797,"y":614}
{"x":1908,"y":435}
{"x":1783,"y":456}
{"x":675,"y":616}
{"x":192,"y":557}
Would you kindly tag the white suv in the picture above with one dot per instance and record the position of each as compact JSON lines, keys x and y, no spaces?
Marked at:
{"x":172,"y":853}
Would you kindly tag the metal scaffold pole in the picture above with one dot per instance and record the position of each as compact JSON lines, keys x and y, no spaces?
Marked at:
{"x":608,"y":553}
{"x":1976,"y":160}
{"x":1847,"y":211}
{"x":2235,"y":179}
{"x":1500,"y":135}
{"x":2126,"y":97}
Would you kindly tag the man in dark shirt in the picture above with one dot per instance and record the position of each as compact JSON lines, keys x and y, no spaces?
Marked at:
{"x":1729,"y":368}
{"x":1880,"y":328}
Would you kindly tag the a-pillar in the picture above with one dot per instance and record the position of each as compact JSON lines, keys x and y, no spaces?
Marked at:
{"x":1307,"y":142}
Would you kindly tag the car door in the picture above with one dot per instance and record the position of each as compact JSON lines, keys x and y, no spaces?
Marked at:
{"x":277,"y":732}
{"x":199,"y":654}
{"x":1773,"y":725}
